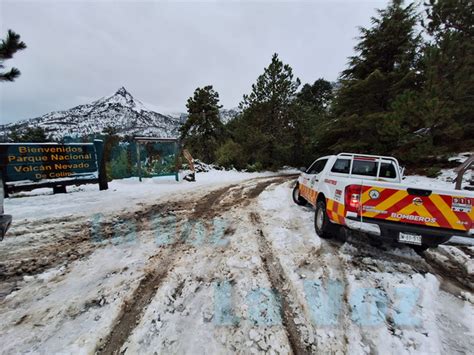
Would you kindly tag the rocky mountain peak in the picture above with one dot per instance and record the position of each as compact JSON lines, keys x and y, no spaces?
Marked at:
{"x":123,"y":92}
{"x":121,"y":97}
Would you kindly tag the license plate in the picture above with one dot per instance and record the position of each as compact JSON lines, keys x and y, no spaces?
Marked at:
{"x":409,"y":238}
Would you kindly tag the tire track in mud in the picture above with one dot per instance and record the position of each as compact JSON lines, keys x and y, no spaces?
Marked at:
{"x":276,"y":276}
{"x":65,"y":243}
{"x":208,"y":207}
{"x":454,"y":278}
{"x":132,"y":309}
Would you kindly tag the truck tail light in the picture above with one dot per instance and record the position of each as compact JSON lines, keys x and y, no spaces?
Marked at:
{"x":352,"y":198}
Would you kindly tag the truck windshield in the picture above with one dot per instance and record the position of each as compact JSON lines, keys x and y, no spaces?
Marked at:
{"x":317,"y":166}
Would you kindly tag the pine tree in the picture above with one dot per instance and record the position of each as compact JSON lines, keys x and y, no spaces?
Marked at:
{"x":8,"y":47}
{"x":386,"y":66}
{"x":317,"y":96}
{"x":264,"y":128}
{"x":449,"y":72}
{"x":203,"y":130}
{"x":311,"y":109}
{"x":275,"y":87}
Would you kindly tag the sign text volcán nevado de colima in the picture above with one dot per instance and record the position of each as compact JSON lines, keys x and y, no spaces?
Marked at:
{"x":49,"y":161}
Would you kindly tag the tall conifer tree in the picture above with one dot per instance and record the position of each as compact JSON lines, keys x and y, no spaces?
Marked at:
{"x":385,"y":67}
{"x":267,"y":118}
{"x":203,"y":130}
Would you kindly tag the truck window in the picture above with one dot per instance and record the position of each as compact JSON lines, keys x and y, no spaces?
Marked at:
{"x":388,"y":170}
{"x":341,"y":166}
{"x":317,"y":166}
{"x":364,"y":167}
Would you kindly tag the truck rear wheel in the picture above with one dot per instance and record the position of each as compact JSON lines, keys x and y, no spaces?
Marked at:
{"x":322,"y":224}
{"x":296,"y":196}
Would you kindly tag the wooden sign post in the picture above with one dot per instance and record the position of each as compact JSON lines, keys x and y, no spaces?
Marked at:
{"x":189,"y":158}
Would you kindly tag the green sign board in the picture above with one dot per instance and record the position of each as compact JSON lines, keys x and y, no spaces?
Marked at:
{"x":47,"y":161}
{"x":157,"y":157}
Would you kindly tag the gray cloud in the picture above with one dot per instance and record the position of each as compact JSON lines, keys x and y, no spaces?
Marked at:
{"x":161,"y":51}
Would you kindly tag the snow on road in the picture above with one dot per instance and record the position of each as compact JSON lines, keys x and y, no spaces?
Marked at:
{"x":226,"y":267}
{"x":124,"y":194}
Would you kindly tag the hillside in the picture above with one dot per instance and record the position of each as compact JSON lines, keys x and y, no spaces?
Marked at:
{"x":121,"y":111}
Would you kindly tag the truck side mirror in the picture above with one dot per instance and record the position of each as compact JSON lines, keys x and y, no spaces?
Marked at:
{"x":303,"y":169}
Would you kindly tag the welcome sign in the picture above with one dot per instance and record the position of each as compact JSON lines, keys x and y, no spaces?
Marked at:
{"x":37,"y":162}
{"x":43,"y":163}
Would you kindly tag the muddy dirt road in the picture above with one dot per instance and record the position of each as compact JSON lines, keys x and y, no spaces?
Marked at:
{"x":234,"y":269}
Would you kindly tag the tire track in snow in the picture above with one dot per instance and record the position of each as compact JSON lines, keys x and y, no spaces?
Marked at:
{"x":68,"y":238}
{"x":278,"y":281}
{"x":338,"y":266}
{"x":208,"y":207}
{"x":133,"y":308}
{"x":468,"y":251}
{"x":66,"y":244}
{"x":370,"y":259}
{"x":303,"y":262}
{"x":48,"y":243}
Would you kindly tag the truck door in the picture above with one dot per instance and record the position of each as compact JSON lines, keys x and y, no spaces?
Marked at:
{"x":311,"y":180}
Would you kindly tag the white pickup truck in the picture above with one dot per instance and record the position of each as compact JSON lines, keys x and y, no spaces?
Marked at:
{"x":366,"y":193}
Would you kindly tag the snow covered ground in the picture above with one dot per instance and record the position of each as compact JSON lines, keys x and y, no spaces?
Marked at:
{"x":122,"y":195}
{"x":227,"y":264}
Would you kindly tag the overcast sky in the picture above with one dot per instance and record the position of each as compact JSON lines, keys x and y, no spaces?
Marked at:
{"x":79,"y":51}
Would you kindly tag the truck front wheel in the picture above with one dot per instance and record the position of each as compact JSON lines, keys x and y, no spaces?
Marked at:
{"x":296,"y":196}
{"x":322,"y":224}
